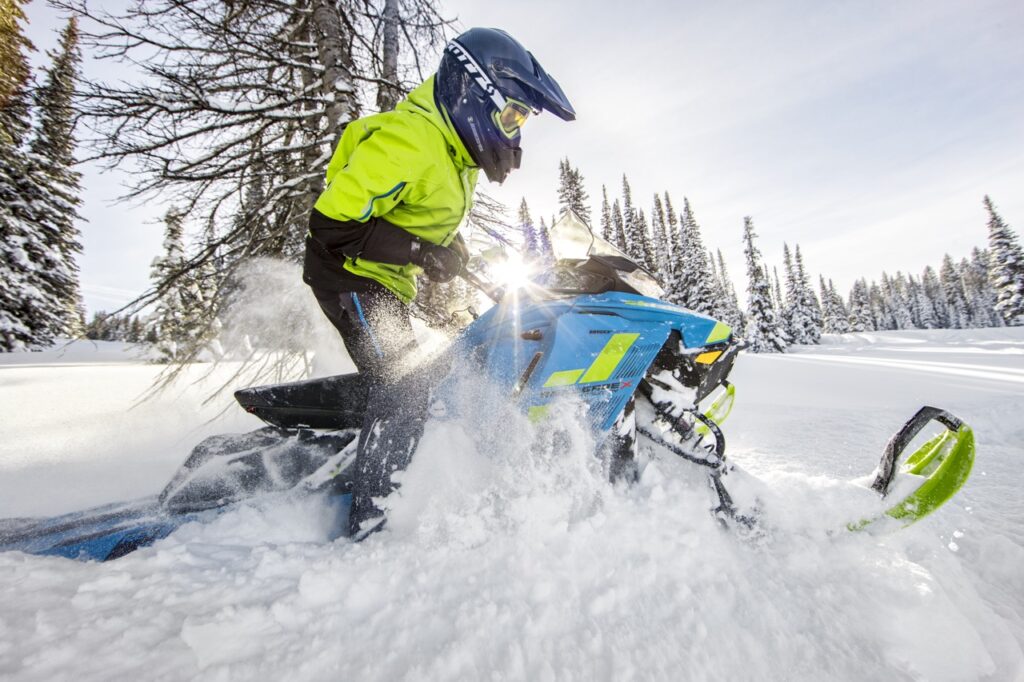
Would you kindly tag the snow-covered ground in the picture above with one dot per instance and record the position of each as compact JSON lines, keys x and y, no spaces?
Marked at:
{"x":506,"y":562}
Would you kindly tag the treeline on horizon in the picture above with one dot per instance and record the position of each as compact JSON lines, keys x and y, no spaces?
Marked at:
{"x":985,"y":289}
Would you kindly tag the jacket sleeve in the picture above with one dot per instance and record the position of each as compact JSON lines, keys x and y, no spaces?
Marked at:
{"x":375,"y":177}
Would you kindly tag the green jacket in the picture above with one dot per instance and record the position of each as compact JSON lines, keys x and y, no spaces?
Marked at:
{"x":407,"y":166}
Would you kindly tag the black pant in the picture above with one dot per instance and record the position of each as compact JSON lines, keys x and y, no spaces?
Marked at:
{"x":377,"y":331}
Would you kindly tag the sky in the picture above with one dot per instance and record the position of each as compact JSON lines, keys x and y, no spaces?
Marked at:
{"x":867,"y":132}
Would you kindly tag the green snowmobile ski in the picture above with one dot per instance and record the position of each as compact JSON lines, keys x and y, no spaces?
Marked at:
{"x":933,"y":473}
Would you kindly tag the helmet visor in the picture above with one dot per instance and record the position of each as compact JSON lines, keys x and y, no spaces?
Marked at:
{"x":512,"y":117}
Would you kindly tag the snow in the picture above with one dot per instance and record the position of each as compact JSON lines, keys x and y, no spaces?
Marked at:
{"x":505,"y":561}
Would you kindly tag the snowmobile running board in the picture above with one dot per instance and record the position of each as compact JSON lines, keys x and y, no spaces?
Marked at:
{"x":939,"y":468}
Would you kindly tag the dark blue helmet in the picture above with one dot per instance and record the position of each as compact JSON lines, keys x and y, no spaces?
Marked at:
{"x":488,"y":84}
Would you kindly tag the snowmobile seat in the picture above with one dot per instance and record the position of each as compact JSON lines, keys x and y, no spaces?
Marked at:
{"x":337,"y":402}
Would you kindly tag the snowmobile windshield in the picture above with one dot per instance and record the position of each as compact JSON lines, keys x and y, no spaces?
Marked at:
{"x":573,"y":240}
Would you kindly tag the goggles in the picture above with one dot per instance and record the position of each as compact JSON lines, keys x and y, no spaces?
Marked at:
{"x":512,"y":117}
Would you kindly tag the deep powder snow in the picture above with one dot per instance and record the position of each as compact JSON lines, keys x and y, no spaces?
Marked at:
{"x":510,"y":557}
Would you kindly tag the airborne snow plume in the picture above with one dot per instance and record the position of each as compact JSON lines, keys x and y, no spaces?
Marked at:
{"x":509,"y":556}
{"x":272,"y":311}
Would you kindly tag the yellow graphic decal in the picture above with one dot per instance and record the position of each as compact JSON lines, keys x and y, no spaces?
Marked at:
{"x":609,"y":357}
{"x":720,"y":333}
{"x":566,"y":377}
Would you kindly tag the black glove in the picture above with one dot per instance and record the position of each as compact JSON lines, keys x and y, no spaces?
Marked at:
{"x":440,"y":263}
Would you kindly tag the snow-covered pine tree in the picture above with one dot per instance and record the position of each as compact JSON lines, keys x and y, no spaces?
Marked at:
{"x":880,"y":312}
{"x":544,"y":241}
{"x":169,"y":275}
{"x":52,"y":155}
{"x":762,"y":331}
{"x":28,"y":315}
{"x":618,"y":228}
{"x":981,"y":297}
{"x":696,"y":288}
{"x":183,"y":305}
{"x":628,"y":211}
{"x":778,"y":300}
{"x":922,"y":311}
{"x":531,"y":244}
{"x":606,"y":217}
{"x":936,"y":297}
{"x":797,"y":315}
{"x":901,"y":301}
{"x":15,"y":73}
{"x":731,"y":313}
{"x":861,"y":317}
{"x":1006,"y":267}
{"x":842,"y":323}
{"x":136,"y":330}
{"x":835,"y":316}
{"x":953,"y":289}
{"x":829,"y":314}
{"x":660,"y":242}
{"x":676,"y":239}
{"x":571,"y":193}
{"x":808,"y":300}
{"x":640,"y":242}
{"x":15,"y":332}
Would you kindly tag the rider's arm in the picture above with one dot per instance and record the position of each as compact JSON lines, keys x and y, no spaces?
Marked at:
{"x":363,"y":187}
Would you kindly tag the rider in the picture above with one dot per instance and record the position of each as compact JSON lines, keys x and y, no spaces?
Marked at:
{"x":398,"y":186}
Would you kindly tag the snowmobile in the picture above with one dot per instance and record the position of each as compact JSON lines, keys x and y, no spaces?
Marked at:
{"x":591,"y":326}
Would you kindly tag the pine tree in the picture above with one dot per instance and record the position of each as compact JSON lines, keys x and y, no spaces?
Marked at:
{"x":28,"y":317}
{"x":842,"y":323}
{"x":880,"y":311}
{"x":1006,"y":267}
{"x":835,"y":317}
{"x":829,"y":313}
{"x":628,"y":212}
{"x":531,"y":243}
{"x":640,"y":243}
{"x":936,"y":297}
{"x":571,"y":194}
{"x":922,"y":312}
{"x":861,"y":317}
{"x":953,"y":289}
{"x":606,"y":217}
{"x":778,"y":300}
{"x":676,"y":239}
{"x":731,"y":313}
{"x":15,"y":73}
{"x":619,"y":228}
{"x":53,"y":149}
{"x":660,"y":243}
{"x":808,"y":300}
{"x":797,"y":316}
{"x":184,"y":306}
{"x":544,"y":241}
{"x":901,"y":302}
{"x":981,"y":297}
{"x":696,"y":288}
{"x":762,"y":331}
